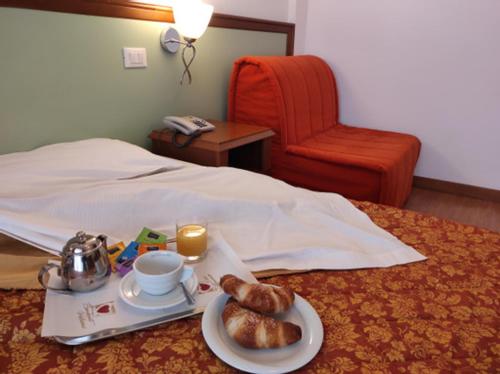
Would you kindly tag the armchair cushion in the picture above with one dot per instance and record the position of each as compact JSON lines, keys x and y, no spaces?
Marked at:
{"x":389,"y":155}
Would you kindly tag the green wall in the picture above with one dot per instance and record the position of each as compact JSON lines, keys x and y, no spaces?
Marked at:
{"x":62,"y":77}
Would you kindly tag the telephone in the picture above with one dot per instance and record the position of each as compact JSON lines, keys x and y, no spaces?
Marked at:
{"x":189,"y":125}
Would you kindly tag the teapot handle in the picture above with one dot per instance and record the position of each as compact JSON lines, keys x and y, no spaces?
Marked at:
{"x":41,"y":277}
{"x":104,"y":240}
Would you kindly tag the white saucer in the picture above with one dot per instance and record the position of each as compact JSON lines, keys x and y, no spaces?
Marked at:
{"x":131,"y":293}
{"x":279,"y":360}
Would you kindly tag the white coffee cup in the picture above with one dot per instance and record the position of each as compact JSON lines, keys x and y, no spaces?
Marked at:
{"x":160,"y":272}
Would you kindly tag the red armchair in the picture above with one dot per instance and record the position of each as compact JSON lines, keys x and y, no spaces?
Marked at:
{"x":297,"y":97}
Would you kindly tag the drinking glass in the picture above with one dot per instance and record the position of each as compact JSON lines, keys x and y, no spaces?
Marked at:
{"x":192,"y":238}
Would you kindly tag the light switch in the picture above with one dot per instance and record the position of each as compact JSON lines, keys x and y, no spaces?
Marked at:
{"x":134,"y":58}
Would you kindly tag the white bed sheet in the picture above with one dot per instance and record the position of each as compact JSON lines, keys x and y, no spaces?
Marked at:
{"x":104,"y":186}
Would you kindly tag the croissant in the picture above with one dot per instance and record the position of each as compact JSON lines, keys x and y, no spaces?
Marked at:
{"x":253,"y":330}
{"x":258,"y":297}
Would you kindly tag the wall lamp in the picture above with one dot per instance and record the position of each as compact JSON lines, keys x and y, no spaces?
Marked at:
{"x":191,"y":20}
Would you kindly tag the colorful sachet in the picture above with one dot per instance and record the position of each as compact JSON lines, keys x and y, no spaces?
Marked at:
{"x":113,"y":252}
{"x":125,"y":267}
{"x":148,"y":236}
{"x":147,"y":240}
{"x":126,"y":259}
{"x":144,"y":247}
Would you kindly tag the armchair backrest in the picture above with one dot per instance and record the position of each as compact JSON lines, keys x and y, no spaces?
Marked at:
{"x":295,"y":95}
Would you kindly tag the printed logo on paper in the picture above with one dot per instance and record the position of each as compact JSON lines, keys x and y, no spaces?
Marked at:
{"x":208,"y":284}
{"x":90,"y":312}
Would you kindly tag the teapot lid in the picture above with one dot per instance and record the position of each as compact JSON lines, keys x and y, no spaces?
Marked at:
{"x":82,"y":243}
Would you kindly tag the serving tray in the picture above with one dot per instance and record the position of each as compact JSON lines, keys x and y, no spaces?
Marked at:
{"x":109,"y":333}
{"x":101,"y":314}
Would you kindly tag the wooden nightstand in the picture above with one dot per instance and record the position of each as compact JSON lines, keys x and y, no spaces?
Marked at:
{"x":230,"y":144}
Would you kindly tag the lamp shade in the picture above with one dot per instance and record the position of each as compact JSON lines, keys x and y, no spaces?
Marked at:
{"x":192,"y":17}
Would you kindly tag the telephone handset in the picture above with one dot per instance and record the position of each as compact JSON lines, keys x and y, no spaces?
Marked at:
{"x":190,"y":125}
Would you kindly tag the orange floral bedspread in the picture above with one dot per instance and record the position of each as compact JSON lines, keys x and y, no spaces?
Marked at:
{"x":441,"y":315}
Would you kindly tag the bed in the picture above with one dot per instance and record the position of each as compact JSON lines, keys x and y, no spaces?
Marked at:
{"x":437,"y":315}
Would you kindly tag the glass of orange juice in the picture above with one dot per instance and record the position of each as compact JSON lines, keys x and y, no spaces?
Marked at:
{"x":192,"y":237}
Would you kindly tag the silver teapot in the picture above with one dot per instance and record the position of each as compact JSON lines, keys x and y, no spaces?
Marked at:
{"x":84,"y":264}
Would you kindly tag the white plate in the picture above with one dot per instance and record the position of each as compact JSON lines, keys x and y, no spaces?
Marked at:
{"x":131,"y":293}
{"x":279,"y":360}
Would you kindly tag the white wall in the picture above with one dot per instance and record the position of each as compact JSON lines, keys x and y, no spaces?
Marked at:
{"x":292,"y":10}
{"x":425,"y":67}
{"x":277,"y":10}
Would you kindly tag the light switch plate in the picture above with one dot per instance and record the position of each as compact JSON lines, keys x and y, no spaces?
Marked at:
{"x":135,"y":58}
